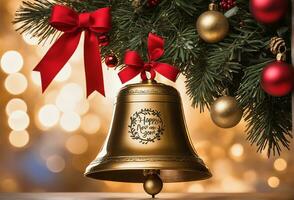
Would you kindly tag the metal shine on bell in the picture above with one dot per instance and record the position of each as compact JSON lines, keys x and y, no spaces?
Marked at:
{"x":148,"y":141}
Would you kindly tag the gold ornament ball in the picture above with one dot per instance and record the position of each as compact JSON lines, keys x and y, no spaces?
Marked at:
{"x":225,"y":112}
{"x":212,"y":26}
{"x":153,"y":185}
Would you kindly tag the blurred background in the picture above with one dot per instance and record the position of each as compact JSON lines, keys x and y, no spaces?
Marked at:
{"x":47,"y":140}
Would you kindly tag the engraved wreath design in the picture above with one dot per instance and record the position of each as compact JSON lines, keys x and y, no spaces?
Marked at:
{"x":146,"y":126}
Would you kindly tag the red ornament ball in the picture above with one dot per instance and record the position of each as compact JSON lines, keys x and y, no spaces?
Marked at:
{"x":227,"y":4}
{"x":268,"y":11}
{"x":277,"y":78}
{"x":153,"y":3}
{"x":111,"y":61}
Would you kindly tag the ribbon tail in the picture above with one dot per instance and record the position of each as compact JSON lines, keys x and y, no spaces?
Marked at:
{"x":168,"y":71}
{"x":56,"y":57}
{"x":93,"y":65}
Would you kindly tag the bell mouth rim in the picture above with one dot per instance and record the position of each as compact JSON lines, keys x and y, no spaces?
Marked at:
{"x":104,"y":175}
{"x":190,"y":169}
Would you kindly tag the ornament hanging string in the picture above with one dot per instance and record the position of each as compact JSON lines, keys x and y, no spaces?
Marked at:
{"x":73,"y":24}
{"x":134,"y":64}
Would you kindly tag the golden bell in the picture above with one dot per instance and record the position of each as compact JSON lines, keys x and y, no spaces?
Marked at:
{"x":148,"y":140}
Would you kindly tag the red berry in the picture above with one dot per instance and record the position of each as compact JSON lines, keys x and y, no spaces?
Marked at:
{"x":103,"y":40}
{"x":227,"y":4}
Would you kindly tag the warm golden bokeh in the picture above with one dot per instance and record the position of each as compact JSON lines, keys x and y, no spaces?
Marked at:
{"x":47,"y":140}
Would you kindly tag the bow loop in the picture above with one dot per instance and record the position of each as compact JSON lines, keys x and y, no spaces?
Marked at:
{"x":135,"y":65}
{"x":84,"y":20}
{"x":101,"y":20}
{"x":132,"y":58}
{"x":64,"y":19}
{"x":155,"y":47}
{"x":67,"y":20}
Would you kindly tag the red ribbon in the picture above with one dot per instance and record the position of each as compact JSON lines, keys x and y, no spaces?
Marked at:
{"x":73,"y":24}
{"x":135,"y":65}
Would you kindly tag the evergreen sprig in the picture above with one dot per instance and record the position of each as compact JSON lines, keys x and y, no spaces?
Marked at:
{"x":234,"y":64}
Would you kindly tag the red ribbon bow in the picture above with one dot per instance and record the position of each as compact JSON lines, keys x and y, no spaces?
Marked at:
{"x":135,"y":65}
{"x":73,"y":24}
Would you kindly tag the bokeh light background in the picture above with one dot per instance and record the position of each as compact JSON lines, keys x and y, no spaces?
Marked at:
{"x":47,"y":140}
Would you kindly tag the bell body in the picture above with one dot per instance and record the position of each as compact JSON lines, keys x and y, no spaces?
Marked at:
{"x":148,"y":133}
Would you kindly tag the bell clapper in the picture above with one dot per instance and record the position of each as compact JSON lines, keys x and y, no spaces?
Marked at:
{"x":153,"y":183}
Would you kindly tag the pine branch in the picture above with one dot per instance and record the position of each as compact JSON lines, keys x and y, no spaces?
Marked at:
{"x":33,"y":18}
{"x":234,"y":64}
{"x":273,"y":129}
{"x":216,"y":68}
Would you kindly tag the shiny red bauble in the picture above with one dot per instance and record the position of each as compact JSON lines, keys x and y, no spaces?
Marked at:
{"x":277,"y":78}
{"x":268,"y":11}
{"x":111,"y":61}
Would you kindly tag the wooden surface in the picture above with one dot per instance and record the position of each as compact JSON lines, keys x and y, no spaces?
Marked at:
{"x":134,"y":196}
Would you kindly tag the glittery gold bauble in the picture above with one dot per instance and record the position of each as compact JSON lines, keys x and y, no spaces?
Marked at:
{"x":212,"y":26}
{"x":225,"y":112}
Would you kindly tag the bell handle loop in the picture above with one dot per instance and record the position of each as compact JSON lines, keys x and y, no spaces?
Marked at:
{"x":144,"y":76}
{"x":281,"y":56}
